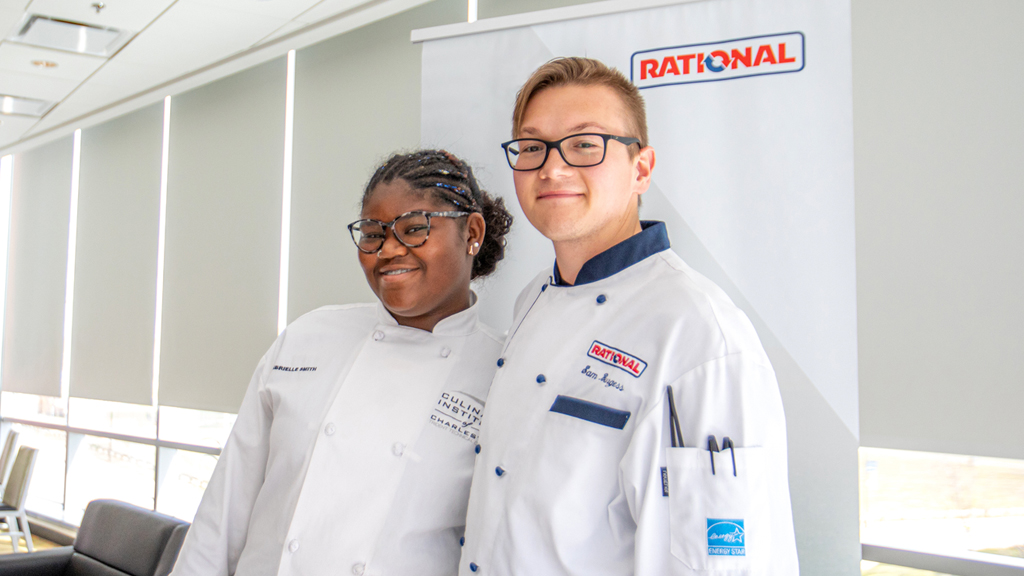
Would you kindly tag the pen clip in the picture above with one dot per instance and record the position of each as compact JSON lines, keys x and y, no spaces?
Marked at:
{"x":712,"y":448}
{"x":727,"y":443}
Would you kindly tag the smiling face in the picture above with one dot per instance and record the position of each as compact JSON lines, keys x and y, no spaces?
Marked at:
{"x":594,"y":207}
{"x":423,"y":285}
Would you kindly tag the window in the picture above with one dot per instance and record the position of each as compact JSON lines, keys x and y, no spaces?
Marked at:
{"x":941,"y":502}
{"x":90,"y":449}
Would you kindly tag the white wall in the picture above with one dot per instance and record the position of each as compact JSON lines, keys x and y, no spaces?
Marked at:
{"x":939,"y":170}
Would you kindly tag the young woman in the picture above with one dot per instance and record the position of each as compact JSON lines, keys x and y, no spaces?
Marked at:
{"x":354,"y":445}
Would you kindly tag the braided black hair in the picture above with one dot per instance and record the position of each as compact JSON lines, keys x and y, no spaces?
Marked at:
{"x":451,"y":180}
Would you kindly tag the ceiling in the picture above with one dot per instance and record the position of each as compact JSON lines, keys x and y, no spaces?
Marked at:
{"x":173,"y":39}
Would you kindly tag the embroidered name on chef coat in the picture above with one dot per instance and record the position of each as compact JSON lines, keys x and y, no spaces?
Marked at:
{"x":459,"y":413}
{"x":295,"y":368}
{"x":615,"y":357}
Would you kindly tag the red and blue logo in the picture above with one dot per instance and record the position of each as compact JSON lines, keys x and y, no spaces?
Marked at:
{"x":715,"y":61}
{"x":614,"y":357}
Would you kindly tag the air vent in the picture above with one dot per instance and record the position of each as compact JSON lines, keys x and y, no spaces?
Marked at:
{"x":18,"y":106}
{"x":57,"y":34}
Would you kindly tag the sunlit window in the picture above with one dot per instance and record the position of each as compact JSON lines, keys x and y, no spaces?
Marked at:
{"x":46,"y":409}
{"x":115,"y":417}
{"x":106,"y":468}
{"x":196,"y":427}
{"x":183,"y":478}
{"x":940,"y":502}
{"x":875,"y":569}
{"x":46,"y":493}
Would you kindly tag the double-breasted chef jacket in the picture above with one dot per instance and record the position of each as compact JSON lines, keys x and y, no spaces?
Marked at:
{"x":352,"y":452}
{"x":576,"y":474}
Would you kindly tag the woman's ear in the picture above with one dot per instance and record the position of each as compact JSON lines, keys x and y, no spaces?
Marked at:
{"x":475,"y":228}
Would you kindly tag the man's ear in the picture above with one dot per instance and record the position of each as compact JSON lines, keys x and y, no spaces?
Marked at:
{"x":643,"y":166}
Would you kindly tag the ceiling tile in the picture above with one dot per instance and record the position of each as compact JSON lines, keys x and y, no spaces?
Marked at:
{"x":87,"y":98}
{"x":13,"y":127}
{"x":130,"y":78}
{"x":18,"y":58}
{"x":328,"y":8}
{"x":191,"y":35}
{"x":283,"y":30}
{"x":35,"y":86}
{"x":131,"y":15}
{"x":9,"y":20}
{"x":283,"y":9}
{"x":19,"y":5}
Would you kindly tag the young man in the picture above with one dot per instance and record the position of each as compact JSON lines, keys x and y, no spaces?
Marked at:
{"x":581,"y":469}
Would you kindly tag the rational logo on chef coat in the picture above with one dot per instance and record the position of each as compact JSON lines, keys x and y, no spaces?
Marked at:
{"x":615,"y":357}
{"x":459,"y":413}
{"x":726,"y":537}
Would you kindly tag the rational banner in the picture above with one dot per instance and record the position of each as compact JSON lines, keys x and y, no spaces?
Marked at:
{"x":749,"y":107}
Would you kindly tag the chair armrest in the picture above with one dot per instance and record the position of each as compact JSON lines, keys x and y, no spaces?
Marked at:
{"x":51,"y":562}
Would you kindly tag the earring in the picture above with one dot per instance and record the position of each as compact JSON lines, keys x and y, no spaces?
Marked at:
{"x":473,"y":249}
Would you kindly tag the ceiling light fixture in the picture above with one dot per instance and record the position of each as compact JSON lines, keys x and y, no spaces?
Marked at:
{"x":18,"y":106}
{"x":68,"y":36}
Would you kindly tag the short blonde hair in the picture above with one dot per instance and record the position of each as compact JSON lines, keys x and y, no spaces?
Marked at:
{"x":584,"y":72}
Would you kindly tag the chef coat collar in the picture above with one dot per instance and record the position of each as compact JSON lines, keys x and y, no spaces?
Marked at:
{"x":459,"y":324}
{"x":652,"y":238}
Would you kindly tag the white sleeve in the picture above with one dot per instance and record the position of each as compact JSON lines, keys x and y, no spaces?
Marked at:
{"x":690,"y":520}
{"x":218,"y":533}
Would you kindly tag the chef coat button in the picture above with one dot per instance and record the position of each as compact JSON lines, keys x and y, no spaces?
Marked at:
{"x":501,"y":362}
{"x":541,"y":379}
{"x":293,"y":546}
{"x":601,"y":299}
{"x":445,"y":352}
{"x":330,"y":429}
{"x":398,"y":448}
{"x":473,"y":567}
{"x":499,"y":471}
{"x":358,"y":569}
{"x":477,"y":449}
{"x":378,"y":335}
{"x":462,"y":541}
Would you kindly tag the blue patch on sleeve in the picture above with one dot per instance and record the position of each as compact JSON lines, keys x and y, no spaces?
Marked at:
{"x":590,"y":412}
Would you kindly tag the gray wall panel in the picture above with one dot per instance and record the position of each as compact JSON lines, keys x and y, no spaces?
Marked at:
{"x":357,"y":100}
{"x":939,"y":176}
{"x":222,"y":257}
{"x":37,"y":270}
{"x":115,"y":266}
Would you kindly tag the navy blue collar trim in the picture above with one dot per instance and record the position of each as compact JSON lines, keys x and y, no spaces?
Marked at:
{"x":653,"y":238}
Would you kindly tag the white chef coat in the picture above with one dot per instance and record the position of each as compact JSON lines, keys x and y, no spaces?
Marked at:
{"x":570,"y":481}
{"x":352,"y":452}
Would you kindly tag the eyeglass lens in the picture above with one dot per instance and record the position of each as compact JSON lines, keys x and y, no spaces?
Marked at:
{"x":581,"y":150}
{"x":410,"y":229}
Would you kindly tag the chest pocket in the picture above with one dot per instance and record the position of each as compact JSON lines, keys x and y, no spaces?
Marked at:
{"x":590,"y":411}
{"x":718,"y":510}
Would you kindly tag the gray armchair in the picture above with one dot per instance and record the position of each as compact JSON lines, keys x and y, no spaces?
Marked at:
{"x":115,"y":539}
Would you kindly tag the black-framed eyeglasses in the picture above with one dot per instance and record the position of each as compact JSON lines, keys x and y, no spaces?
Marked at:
{"x":579,"y":150}
{"x":411,"y":229}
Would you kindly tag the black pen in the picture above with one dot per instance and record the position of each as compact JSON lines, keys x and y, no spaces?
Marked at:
{"x":712,"y":448}
{"x":674,"y":430}
{"x":727,"y":443}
